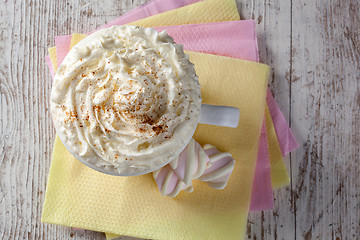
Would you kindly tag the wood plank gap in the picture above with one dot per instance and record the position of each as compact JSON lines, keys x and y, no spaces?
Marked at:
{"x":293,"y":202}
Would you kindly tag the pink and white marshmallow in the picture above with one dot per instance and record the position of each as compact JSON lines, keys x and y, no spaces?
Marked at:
{"x":206,"y":164}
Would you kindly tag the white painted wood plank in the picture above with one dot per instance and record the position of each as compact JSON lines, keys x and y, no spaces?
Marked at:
{"x":325,"y":117}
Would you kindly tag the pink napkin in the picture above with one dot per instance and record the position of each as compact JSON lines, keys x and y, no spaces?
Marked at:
{"x":237,"y":39}
{"x":50,"y":66}
{"x":262,"y":195}
{"x":62,"y":44}
{"x":148,"y":9}
{"x":288,"y":142}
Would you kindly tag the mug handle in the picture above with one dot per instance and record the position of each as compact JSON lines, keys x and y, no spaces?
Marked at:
{"x":219,"y":115}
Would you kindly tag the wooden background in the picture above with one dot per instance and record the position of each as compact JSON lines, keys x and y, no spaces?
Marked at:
{"x":313,"y":47}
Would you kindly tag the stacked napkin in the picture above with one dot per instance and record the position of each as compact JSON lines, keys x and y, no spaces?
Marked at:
{"x":224,"y":51}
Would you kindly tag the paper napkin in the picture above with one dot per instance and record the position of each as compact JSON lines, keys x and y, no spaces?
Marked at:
{"x":279,"y":174}
{"x":148,"y":9}
{"x":200,"y":12}
{"x":219,"y":38}
{"x":237,"y":39}
{"x":289,"y":143}
{"x":232,"y":39}
{"x":78,"y":196}
{"x":260,"y":181}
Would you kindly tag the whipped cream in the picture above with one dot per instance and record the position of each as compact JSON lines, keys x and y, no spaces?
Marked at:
{"x":126,"y":100}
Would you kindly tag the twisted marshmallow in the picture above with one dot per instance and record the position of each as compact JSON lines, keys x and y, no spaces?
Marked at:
{"x":218,"y":169}
{"x":206,"y":164}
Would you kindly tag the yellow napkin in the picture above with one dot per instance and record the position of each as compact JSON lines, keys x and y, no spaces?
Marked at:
{"x":279,"y":173}
{"x":80,"y":197}
{"x":53,"y":57}
{"x":203,"y":12}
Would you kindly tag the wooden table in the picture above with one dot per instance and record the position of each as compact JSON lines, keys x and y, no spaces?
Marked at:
{"x":313,"y":48}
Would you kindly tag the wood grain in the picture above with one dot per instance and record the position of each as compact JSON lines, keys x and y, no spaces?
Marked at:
{"x":325,"y":115}
{"x":313,"y":48}
{"x":322,"y":80}
{"x":274,"y":37}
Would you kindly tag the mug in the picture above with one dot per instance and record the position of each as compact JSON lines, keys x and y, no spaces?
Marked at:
{"x":209,"y":114}
{"x":141,"y":159}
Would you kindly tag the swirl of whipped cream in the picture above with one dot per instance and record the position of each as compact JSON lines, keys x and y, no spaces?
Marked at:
{"x":126,"y":100}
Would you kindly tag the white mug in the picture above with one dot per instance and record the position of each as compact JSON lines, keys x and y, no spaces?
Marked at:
{"x":209,"y":114}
